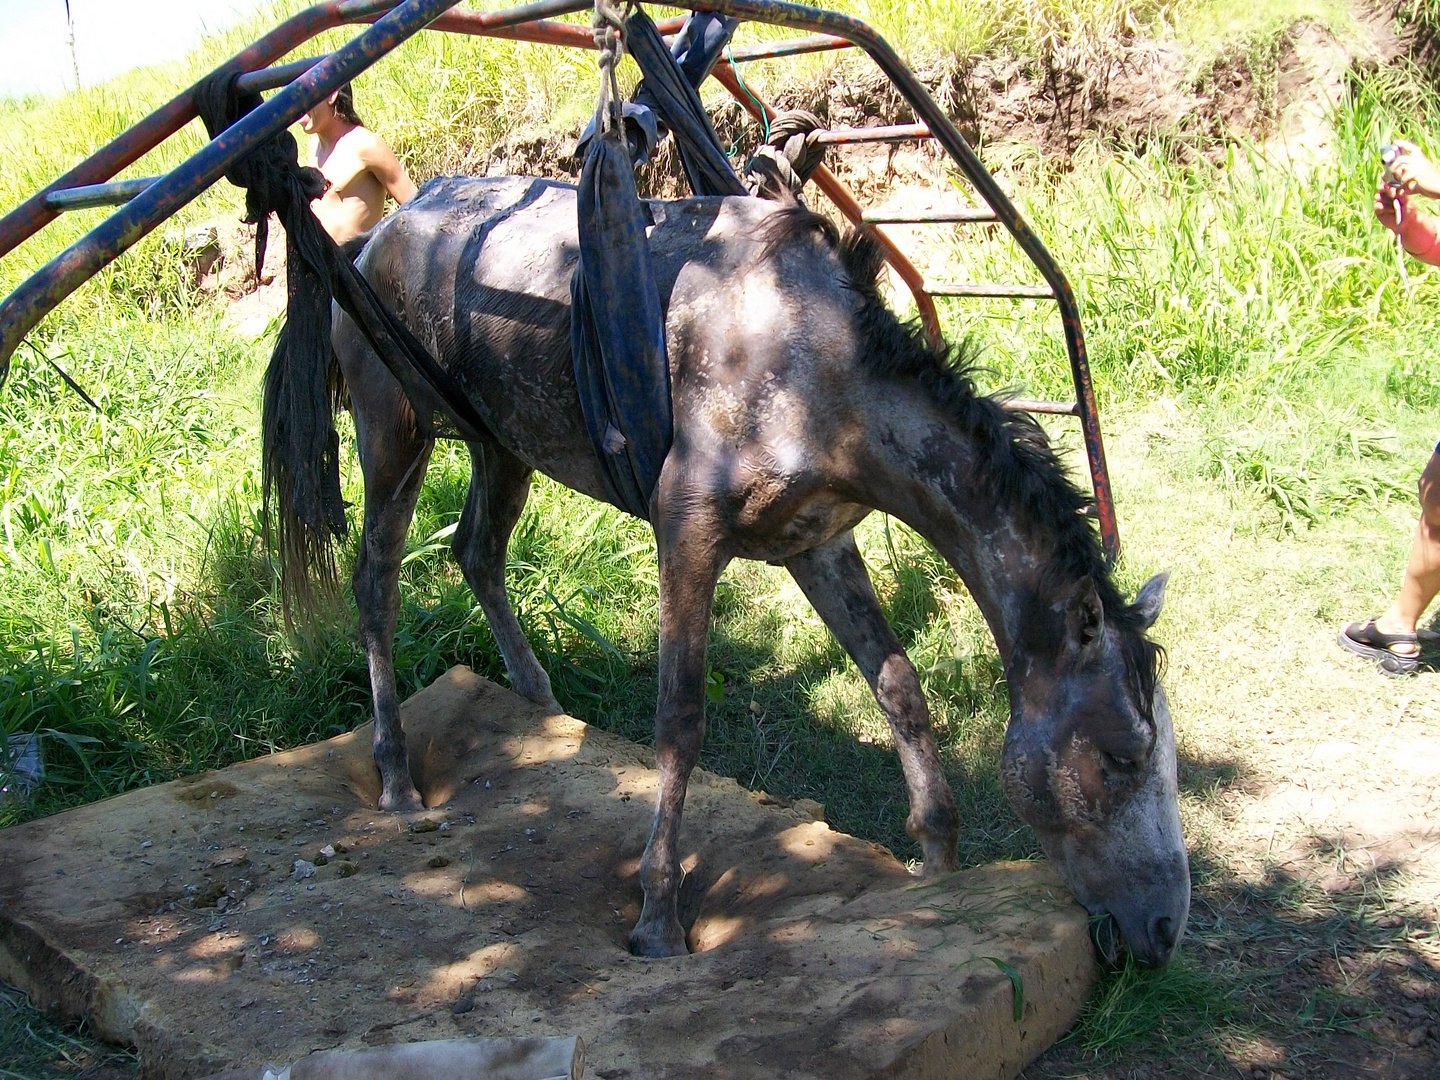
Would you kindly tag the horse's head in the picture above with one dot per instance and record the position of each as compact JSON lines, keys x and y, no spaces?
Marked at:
{"x":1090,"y":764}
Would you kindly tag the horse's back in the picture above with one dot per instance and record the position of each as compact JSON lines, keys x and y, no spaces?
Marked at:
{"x":480,"y":269}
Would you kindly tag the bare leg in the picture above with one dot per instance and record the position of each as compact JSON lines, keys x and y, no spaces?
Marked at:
{"x":1421,"y":582}
{"x":394,"y":467}
{"x":834,"y":579}
{"x":499,"y":486}
{"x":690,"y":566}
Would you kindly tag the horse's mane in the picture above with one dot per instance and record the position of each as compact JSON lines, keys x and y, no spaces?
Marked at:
{"x":1015,"y":462}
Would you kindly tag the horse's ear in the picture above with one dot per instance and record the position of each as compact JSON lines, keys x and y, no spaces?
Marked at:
{"x":1150,"y":599}
{"x":1085,"y":613}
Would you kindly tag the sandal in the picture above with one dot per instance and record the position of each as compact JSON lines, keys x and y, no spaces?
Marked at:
{"x":1364,"y":639}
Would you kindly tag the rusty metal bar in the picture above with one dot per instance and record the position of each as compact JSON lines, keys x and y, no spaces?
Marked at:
{"x":23,"y":308}
{"x":969,"y":215}
{"x":27,"y":305}
{"x":272,"y":78}
{"x":125,"y":149}
{"x":1013,"y":292}
{"x":794,"y":47}
{"x":91,"y":195}
{"x":892,"y":133}
{"x":847,"y":204}
{"x":539,"y":31}
{"x":1059,"y":408}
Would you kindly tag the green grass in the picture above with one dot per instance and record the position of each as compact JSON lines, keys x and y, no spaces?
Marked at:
{"x":1256,"y":308}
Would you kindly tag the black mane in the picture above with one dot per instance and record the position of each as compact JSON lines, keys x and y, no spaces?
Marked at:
{"x":1016,"y":464}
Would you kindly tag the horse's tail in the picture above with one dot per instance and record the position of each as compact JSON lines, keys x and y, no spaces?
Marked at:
{"x":302,"y":510}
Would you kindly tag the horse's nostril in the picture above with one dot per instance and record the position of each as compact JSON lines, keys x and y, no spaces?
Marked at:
{"x":1162,"y":932}
{"x":1165,"y":931}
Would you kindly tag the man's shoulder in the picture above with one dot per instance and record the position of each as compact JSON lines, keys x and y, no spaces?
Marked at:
{"x":358,"y":138}
{"x":364,"y":144}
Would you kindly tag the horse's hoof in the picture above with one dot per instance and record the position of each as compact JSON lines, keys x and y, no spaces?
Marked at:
{"x":934,"y":868}
{"x":657,"y":942}
{"x":399,"y":803}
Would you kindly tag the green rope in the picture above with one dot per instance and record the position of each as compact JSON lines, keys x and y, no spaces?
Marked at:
{"x":764,"y":118}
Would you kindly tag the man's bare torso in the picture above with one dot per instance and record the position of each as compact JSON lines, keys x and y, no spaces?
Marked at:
{"x":355,"y":199}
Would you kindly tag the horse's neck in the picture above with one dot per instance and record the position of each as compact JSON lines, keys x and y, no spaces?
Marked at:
{"x":923,"y":476}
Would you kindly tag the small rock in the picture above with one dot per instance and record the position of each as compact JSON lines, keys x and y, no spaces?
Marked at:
{"x":221,"y":903}
{"x":1417,"y":1011}
{"x":463,"y":1006}
{"x":340,"y":848}
{"x":437,"y":862}
{"x":444,"y":826}
{"x":321,"y":860}
{"x":406,"y":982}
{"x":1337,"y":883}
{"x":246,"y":1003}
{"x":302,"y":870}
{"x":1415,"y":1036}
{"x":345,"y":868}
{"x":1389,"y":922}
{"x":148,"y":844}
{"x":755,"y":707}
{"x":327,"y":852}
{"x":425,"y":826}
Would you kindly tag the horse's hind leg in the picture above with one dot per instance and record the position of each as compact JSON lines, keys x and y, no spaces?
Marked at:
{"x":394,"y":459}
{"x":834,"y":579}
{"x":499,"y":486}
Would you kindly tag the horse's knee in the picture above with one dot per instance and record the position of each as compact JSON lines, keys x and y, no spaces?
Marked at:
{"x":897,"y":690}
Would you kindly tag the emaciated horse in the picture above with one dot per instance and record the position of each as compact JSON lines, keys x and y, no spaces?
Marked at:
{"x":801,"y":404}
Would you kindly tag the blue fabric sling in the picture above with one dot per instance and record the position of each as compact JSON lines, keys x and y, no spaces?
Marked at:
{"x":617,"y":322}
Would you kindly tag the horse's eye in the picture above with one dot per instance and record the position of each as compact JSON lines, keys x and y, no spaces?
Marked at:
{"x":1116,"y":763}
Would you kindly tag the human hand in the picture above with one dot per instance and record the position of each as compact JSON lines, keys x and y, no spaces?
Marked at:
{"x":1392,"y":205}
{"x":1413,"y":172}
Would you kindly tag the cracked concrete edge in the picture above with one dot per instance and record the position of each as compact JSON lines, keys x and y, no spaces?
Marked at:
{"x":988,"y":1043}
{"x":66,"y":991}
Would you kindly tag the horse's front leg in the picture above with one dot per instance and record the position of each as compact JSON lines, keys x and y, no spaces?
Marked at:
{"x":690,"y":565}
{"x":834,"y":579}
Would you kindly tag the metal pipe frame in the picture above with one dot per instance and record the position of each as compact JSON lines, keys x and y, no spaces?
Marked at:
{"x":890,"y":133}
{"x":926,"y":111}
{"x":971,"y":215}
{"x":395,"y":23}
{"x":992,"y":290}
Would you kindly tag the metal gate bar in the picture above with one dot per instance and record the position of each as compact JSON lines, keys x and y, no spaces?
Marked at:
{"x":393,"y":24}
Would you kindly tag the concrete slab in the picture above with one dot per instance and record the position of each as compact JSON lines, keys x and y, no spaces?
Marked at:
{"x":186,"y":918}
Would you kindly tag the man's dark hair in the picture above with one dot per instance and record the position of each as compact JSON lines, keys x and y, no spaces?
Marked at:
{"x":345,"y":105}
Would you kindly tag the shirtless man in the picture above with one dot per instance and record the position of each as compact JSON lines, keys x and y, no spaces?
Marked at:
{"x":358,"y":165}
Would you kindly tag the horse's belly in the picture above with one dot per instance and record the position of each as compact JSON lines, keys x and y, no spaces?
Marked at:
{"x":820,"y":518}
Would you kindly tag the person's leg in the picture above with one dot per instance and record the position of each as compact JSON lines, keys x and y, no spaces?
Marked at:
{"x":1421,"y":582}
